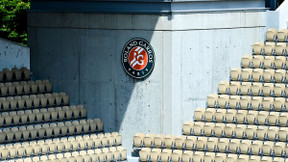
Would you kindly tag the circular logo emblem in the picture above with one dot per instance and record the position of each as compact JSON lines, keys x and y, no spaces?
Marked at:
{"x":138,"y":58}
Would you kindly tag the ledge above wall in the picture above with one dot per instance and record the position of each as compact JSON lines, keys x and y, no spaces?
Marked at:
{"x":145,"y":6}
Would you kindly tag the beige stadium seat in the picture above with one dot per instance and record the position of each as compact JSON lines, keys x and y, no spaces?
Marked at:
{"x":257,"y":89}
{"x":271,"y":34}
{"x":256,"y":147}
{"x":230,"y":116}
{"x":220,"y":115}
{"x":220,"y":157}
{"x":246,"y":61}
{"x":245,"y":102}
{"x":219,"y":129}
{"x":257,"y":61}
{"x":267,"y":103}
{"x":245,"y":88}
{"x":233,"y":145}
{"x":269,"y":48}
{"x":186,"y":156}
{"x":279,"y":90}
{"x":234,"y":102}
{"x":198,"y":128}
{"x":269,"y":62}
{"x":211,"y":144}
{"x":212,"y":100}
{"x":197,"y":156}
{"x":279,"y":104}
{"x":279,"y":148}
{"x":272,"y":133}
{"x":155,"y":154}
{"x":235,"y":74}
{"x":250,"y":131}
{"x":280,"y":62}
{"x":261,"y":132}
{"x":272,"y":118}
{"x":269,"y":75}
{"x":246,"y":75}
{"x":190,"y":142}
{"x":187,"y":127}
{"x":283,"y":118}
{"x":223,"y":101}
{"x":257,"y":103}
{"x":208,"y":157}
{"x":261,"y":117}
{"x":209,"y":114}
{"x":138,"y":140}
{"x":144,"y":154}
{"x":280,"y":76}
{"x":222,"y":144}
{"x":257,"y":48}
{"x":21,"y":103}
{"x":180,"y":142}
{"x":257,"y":75}
{"x":222,"y":87}
{"x":268,"y":89}
{"x":198,"y":114}
{"x":240,"y":131}
{"x":159,"y":140}
{"x":11,"y":90}
{"x":282,"y":35}
{"x":244,"y":146}
{"x":267,"y":148}
{"x":241,"y":116}
{"x":280,"y":49}
{"x":4,"y":90}
{"x":200,"y":144}
{"x":234,"y":88}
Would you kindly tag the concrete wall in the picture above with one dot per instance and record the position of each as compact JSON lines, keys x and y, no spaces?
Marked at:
{"x":283,"y":15}
{"x":81,"y":54}
{"x":13,"y":55}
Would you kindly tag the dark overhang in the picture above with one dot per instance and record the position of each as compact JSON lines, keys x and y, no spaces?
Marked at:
{"x":144,"y":6}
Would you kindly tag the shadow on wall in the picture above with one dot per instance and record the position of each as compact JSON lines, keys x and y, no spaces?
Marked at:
{"x":81,"y":55}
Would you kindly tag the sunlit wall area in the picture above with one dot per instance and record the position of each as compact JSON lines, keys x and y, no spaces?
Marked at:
{"x":78,"y":46}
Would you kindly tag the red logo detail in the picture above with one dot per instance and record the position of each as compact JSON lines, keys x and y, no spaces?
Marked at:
{"x":138,"y":58}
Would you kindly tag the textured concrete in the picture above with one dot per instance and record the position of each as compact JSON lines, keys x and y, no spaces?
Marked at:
{"x":13,"y":55}
{"x":81,"y":54}
{"x":283,"y":15}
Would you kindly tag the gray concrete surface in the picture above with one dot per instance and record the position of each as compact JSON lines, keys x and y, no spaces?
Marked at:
{"x":13,"y":55}
{"x":81,"y":55}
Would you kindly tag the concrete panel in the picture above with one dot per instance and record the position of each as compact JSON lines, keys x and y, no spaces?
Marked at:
{"x":13,"y":55}
{"x":194,"y":52}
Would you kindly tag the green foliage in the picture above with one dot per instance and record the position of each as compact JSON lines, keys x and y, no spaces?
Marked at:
{"x":14,"y":20}
{"x":279,"y":2}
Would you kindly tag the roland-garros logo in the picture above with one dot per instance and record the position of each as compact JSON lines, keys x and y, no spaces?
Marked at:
{"x":138,"y":58}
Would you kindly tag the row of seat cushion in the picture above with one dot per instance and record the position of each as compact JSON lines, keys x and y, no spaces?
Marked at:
{"x":22,"y":89}
{"x":165,"y":155}
{"x":212,"y":144}
{"x":253,"y":89}
{"x":59,"y":145}
{"x":15,"y":74}
{"x":269,"y":49}
{"x":33,"y":101}
{"x":276,"y":36}
{"x":241,"y":116}
{"x":105,"y":154}
{"x":240,"y":131}
{"x":259,"y":75}
{"x":278,"y":104}
{"x":44,"y":131}
{"x":13,"y":118}
{"x":265,"y":62}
